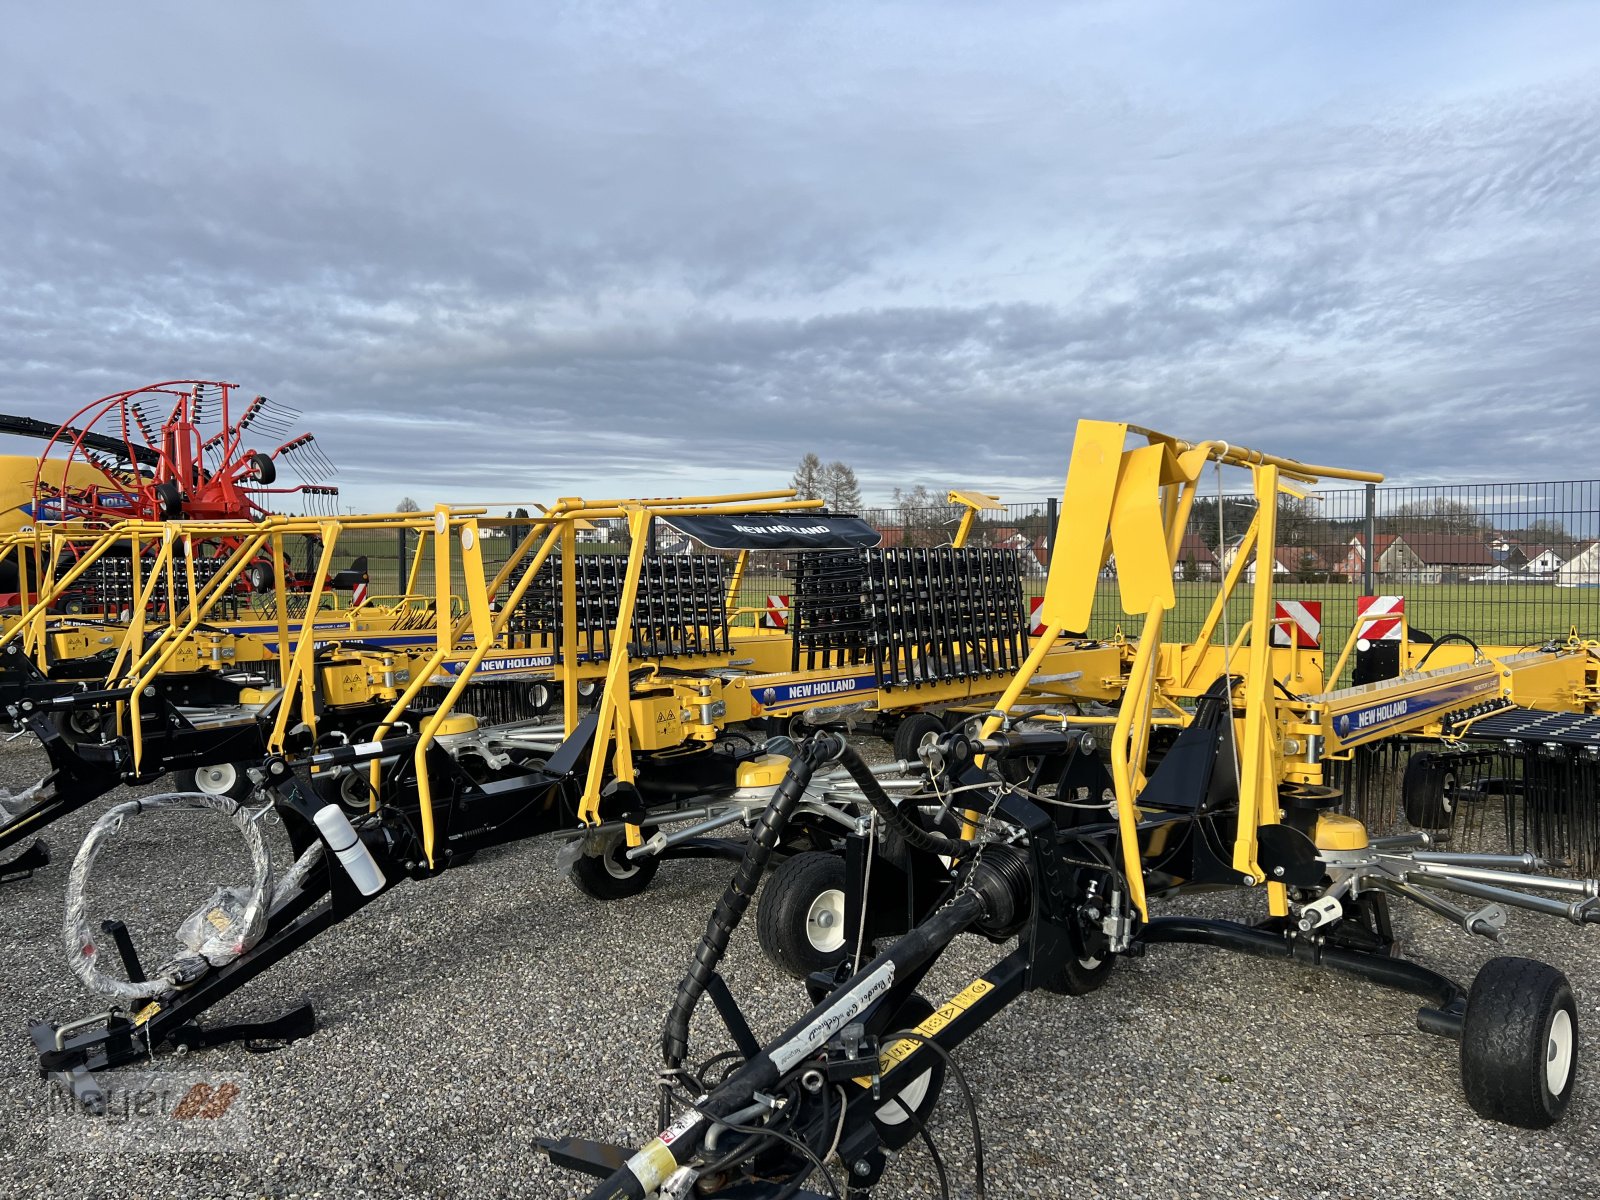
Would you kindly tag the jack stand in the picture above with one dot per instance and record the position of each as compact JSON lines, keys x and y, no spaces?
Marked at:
{"x":25,"y":864}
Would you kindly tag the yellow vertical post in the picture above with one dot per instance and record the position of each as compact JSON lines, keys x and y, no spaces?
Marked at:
{"x":568,"y":649}
{"x":615,"y":695}
{"x":442,"y":592}
{"x":1127,"y":763}
{"x":483,"y":638}
{"x":964,"y":530}
{"x":188,"y":575}
{"x":1258,"y":793}
{"x":161,"y":566}
{"x":415,"y":571}
{"x":737,"y":582}
{"x":299,"y":675}
{"x":280,"y":597}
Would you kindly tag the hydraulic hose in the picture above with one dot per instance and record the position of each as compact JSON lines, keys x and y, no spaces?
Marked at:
{"x":894,"y":816}
{"x":730,"y":909}
{"x":646,"y":1170}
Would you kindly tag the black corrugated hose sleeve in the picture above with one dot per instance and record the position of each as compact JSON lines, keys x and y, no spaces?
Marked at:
{"x":735,"y":900}
{"x":894,"y":816}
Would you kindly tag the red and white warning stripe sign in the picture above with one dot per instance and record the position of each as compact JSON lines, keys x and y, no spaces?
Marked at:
{"x":1304,"y":617}
{"x":1035,"y":619}
{"x":358,"y":594}
{"x":777,"y":614}
{"x":1376,"y":606}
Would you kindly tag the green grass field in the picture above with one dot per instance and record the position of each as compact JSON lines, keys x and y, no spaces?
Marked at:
{"x":1504,"y":614}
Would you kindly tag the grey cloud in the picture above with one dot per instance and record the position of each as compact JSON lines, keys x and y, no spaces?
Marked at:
{"x":593,"y":259}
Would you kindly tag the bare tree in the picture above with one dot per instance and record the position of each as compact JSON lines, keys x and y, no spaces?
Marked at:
{"x":925,"y":519}
{"x":840,"y":487}
{"x":1439,"y":515}
{"x":808,"y":478}
{"x":407,"y":504}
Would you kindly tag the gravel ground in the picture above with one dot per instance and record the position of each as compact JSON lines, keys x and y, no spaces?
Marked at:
{"x":465,"y":1017}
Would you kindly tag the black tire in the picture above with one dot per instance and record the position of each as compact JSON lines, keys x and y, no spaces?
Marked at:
{"x":170,"y":497}
{"x":266,"y":470}
{"x":1086,"y":966}
{"x":921,"y":1095}
{"x":216,"y":779}
{"x":1519,"y":1044}
{"x":613,"y":875}
{"x":911,"y":732}
{"x":800,"y":920}
{"x":259,"y":576}
{"x":1077,"y":974}
{"x":79,"y":725}
{"x":1428,"y":791}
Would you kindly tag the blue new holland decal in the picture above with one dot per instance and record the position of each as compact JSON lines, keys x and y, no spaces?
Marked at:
{"x":1393,"y":712}
{"x":813,"y":690}
{"x":525,"y":662}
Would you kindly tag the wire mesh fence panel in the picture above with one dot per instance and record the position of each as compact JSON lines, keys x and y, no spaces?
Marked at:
{"x":1507,"y":563}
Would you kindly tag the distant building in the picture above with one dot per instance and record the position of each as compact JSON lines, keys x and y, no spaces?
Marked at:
{"x":1193,"y":549}
{"x":1582,"y":570}
{"x":1434,"y":558}
{"x":1354,"y":563}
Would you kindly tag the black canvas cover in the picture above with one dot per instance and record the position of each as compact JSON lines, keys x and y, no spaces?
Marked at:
{"x":775,"y":531}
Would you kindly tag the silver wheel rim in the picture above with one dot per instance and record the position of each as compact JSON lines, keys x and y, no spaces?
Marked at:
{"x":216,"y":780}
{"x":1447,"y":798}
{"x":825,"y":921}
{"x":355,"y":789}
{"x":616,"y":866}
{"x":1558,"y":1053}
{"x":905,"y":1102}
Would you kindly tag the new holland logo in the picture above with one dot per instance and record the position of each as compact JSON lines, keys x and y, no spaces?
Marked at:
{"x":795,"y":693}
{"x":526,"y":662}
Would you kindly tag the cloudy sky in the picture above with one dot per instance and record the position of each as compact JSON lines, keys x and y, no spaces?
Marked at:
{"x":518,"y":251}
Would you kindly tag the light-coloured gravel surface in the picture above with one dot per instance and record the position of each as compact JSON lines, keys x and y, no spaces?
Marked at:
{"x":465,"y":1017}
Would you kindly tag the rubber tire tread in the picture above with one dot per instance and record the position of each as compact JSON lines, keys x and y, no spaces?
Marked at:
{"x":781,"y":913}
{"x":1505,"y":1037}
{"x":910,"y":732}
{"x":1422,"y":792}
{"x":592,"y":878}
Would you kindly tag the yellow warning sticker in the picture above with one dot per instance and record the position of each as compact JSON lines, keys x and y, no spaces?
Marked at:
{"x":903,"y":1049}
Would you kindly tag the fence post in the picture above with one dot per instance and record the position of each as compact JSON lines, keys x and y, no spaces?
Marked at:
{"x":400,"y":563}
{"x":1052,"y":513}
{"x":1369,"y":572}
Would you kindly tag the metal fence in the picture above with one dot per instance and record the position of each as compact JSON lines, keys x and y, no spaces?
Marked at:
{"x":1510,"y":563}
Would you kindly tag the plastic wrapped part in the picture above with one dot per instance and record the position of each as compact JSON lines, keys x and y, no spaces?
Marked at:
{"x":14,"y":804}
{"x":246,"y":925}
{"x":215,"y":930}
